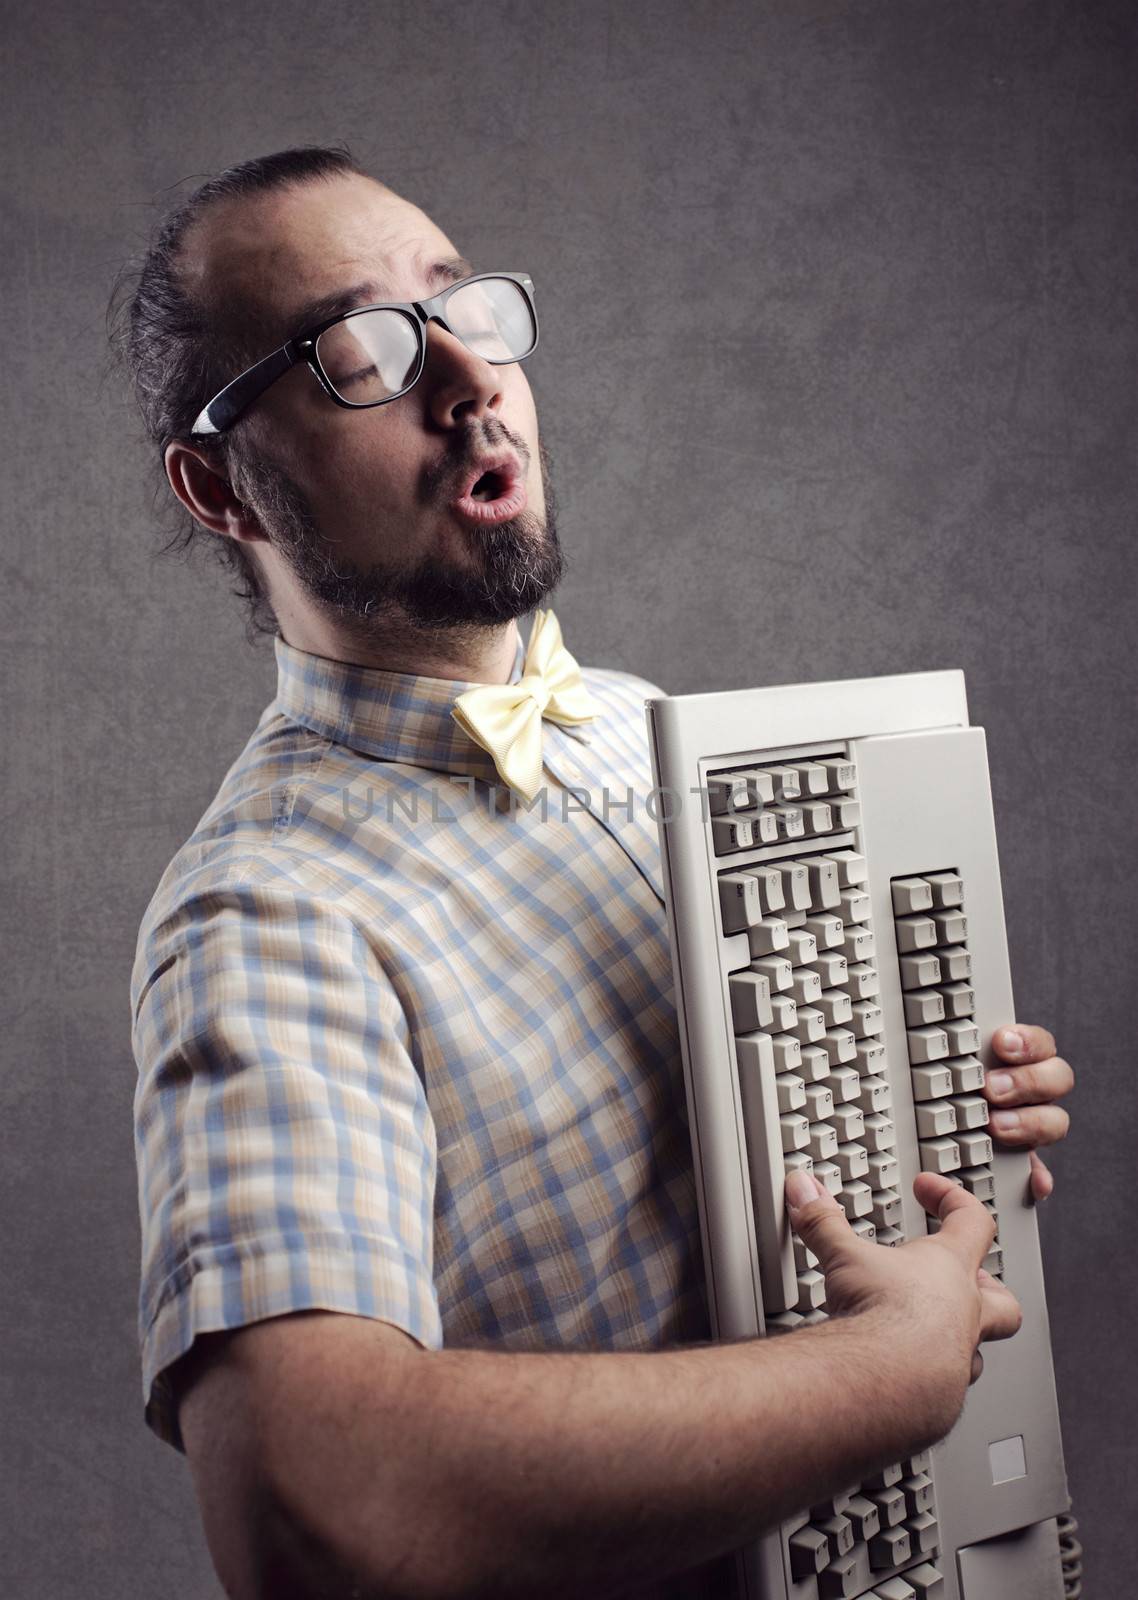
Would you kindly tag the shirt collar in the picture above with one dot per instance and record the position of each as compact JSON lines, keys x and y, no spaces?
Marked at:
{"x":394,"y":716}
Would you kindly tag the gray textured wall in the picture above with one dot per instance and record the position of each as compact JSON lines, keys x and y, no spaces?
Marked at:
{"x":838,"y":377}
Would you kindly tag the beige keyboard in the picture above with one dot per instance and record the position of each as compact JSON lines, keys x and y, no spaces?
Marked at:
{"x":841,"y":965}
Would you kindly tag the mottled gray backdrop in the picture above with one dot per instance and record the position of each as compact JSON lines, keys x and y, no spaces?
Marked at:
{"x":838,"y":376}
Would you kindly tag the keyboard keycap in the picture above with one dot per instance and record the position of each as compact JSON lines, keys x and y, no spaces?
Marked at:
{"x":915,"y":933}
{"x":919,"y":969}
{"x":809,"y":1552}
{"x":955,"y":963}
{"x":909,"y":895}
{"x":928,"y":1044}
{"x":750,"y":1000}
{"x":935,"y":1118}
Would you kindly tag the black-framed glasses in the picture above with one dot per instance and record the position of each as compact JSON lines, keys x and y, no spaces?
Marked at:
{"x":373,"y":354}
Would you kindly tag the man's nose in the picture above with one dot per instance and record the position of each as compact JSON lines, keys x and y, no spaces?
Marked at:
{"x":460,"y":383}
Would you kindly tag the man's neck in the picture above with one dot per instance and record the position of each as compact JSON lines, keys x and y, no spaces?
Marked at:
{"x":466,"y":653}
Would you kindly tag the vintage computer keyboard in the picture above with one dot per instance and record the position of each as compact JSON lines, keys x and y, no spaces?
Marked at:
{"x":841,"y":964}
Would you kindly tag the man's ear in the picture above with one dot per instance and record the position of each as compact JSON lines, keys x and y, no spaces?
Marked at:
{"x":208,"y":495}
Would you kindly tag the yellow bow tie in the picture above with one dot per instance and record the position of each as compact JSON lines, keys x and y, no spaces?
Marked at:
{"x":505,"y":718}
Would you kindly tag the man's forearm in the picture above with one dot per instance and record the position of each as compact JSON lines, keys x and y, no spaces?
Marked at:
{"x":468,"y":1472}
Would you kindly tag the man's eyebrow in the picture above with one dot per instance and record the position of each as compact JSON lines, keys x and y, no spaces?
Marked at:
{"x":451,"y":270}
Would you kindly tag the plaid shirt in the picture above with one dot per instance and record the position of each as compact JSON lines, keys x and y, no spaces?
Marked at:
{"x":409,"y":1052}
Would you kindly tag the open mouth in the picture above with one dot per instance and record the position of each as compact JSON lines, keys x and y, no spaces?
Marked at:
{"x":497,"y":492}
{"x":490,"y":486}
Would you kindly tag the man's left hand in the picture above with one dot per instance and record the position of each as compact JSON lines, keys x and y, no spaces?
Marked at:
{"x":1033,"y":1078}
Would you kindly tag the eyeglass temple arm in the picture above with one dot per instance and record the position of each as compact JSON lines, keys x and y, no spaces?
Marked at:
{"x":224,"y":409}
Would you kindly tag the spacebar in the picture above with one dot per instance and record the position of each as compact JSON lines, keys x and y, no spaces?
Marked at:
{"x":777,"y":1272}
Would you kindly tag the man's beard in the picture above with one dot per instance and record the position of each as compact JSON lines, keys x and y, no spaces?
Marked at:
{"x":514,"y":565}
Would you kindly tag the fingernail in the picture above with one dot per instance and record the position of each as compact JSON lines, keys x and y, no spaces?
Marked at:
{"x":1005,"y":1120}
{"x":1001,"y":1082}
{"x":800,"y":1190}
{"x":1011,"y":1042}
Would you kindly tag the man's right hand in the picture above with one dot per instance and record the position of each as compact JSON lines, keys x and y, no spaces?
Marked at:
{"x":937,"y":1284}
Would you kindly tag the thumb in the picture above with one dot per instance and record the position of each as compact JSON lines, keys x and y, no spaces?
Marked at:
{"x":817,"y":1218}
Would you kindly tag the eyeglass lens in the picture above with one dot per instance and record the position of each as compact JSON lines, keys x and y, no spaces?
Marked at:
{"x":374,"y":355}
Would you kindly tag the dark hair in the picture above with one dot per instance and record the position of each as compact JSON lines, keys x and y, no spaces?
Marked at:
{"x":178,"y":351}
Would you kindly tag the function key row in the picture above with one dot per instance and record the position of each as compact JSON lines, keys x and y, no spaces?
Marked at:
{"x":749,"y":787}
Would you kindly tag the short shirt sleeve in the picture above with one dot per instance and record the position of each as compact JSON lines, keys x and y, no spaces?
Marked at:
{"x":286,"y":1154}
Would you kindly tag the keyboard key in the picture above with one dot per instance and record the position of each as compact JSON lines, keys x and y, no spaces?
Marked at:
{"x":923,"y":1533}
{"x":975,"y":1149}
{"x":797,"y":1161}
{"x":919,"y":970}
{"x":955,"y":963}
{"x":854,"y":905}
{"x":785,"y":780}
{"x":835,"y":1005}
{"x":971,"y":1110}
{"x":880,"y":1133}
{"x":754,"y":1052}
{"x":841,"y":775}
{"x":980,"y":1181}
{"x":951,"y":927}
{"x":855,"y":1198}
{"x":918,"y":1493}
{"x":832,"y":968}
{"x":947,"y":888}
{"x":809,"y":1025}
{"x":848,"y":1121}
{"x":795,"y":884}
{"x":767,"y":935}
{"x":857,"y":942}
{"x":842,"y":1579}
{"x":828,"y":1176}
{"x":787,"y":1052}
{"x":846,"y":813}
{"x":864,"y":981}
{"x":817,"y":817}
{"x":963,"y":1037}
{"x":811,"y":1289}
{"x":802,"y":947}
{"x":769,"y":880}
{"x":739,"y":900}
{"x":819,"y":1102}
{"x":790,"y":1089}
{"x":865,"y":1229}
{"x":750,"y":1000}
{"x":887,"y":1209}
{"x":939,"y":1155}
{"x":915,"y":933}
{"x":826,"y":931}
{"x":839,"y":1530}
{"x":730,"y":833}
{"x":809,"y":1552}
{"x":852,"y":869}
{"x":893,"y":1589}
{"x":784,"y":1013}
{"x":931,"y":1082}
{"x":909,"y":895}
{"x":812,"y":778}
{"x":922,"y":1006}
{"x":864,"y":1516}
{"x":928,"y":1044}
{"x":814,"y":1063}
{"x":822,"y":1142}
{"x":727,"y":792}
{"x":925,"y":1582}
{"x":889,"y":1548}
{"x":804,"y":1257}
{"x":867,"y":1019}
{"x":959,"y":999}
{"x":839,"y":1044}
{"x":890,"y":1237}
{"x":776,"y":970}
{"x":852,"y":1161}
{"x":795,"y":1131}
{"x":890,"y":1501}
{"x":935,"y":1118}
{"x":759,"y":785}
{"x":884,"y":1170}
{"x":844,"y":1083}
{"x":870,"y":1058}
{"x":789,"y":821}
{"x":806,"y":986}
{"x":967,"y":1074}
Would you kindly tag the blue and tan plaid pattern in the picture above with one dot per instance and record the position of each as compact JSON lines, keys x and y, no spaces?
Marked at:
{"x":407,"y":1052}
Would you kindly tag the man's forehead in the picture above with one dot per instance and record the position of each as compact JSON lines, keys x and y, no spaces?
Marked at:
{"x":278,"y":253}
